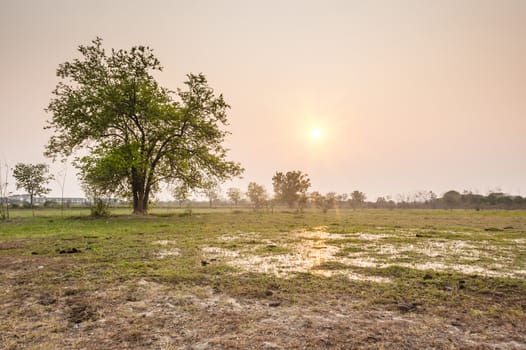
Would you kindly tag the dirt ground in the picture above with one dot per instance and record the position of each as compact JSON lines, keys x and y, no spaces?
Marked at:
{"x":141,"y":314}
{"x":301,"y":289}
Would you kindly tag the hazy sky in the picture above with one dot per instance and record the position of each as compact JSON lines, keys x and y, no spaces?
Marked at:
{"x":407,"y":95}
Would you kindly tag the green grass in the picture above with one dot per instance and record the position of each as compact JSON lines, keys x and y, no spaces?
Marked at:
{"x":122,"y":248}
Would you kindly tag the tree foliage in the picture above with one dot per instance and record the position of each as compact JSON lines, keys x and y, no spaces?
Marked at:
{"x":212,"y":191}
{"x":33,"y":179}
{"x":137,"y":134}
{"x":234,"y":195}
{"x":181,"y":194}
{"x":291,"y":188}
{"x":256,"y":194}
{"x":357,"y":199}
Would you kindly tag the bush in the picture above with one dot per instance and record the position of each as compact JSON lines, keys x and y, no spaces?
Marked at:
{"x":100,"y":208}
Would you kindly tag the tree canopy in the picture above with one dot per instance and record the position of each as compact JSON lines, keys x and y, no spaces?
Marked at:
{"x":137,"y":135}
{"x":33,"y":179}
{"x":234,"y":194}
{"x":291,"y":188}
{"x":256,"y":194}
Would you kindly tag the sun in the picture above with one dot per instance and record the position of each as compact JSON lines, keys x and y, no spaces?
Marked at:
{"x":315,"y":133}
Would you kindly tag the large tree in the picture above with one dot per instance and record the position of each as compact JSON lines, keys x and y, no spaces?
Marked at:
{"x":33,"y":178}
{"x":291,"y":188}
{"x":136,"y":134}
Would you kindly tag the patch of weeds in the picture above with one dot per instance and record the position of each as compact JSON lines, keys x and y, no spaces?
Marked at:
{"x":331,"y":265}
{"x":81,"y":309}
{"x":350,"y":249}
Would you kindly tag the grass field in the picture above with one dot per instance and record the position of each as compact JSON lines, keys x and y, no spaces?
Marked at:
{"x":219,"y":279}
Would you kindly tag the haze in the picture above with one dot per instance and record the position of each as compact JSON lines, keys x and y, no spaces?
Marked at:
{"x":384,"y":97}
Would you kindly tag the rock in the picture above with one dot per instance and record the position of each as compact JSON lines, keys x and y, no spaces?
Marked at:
{"x":274,"y":303}
{"x":268,"y":293}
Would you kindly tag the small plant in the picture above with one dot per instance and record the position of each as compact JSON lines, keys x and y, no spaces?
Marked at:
{"x":100,"y":208}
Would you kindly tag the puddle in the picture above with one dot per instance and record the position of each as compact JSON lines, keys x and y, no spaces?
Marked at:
{"x":312,"y":249}
{"x":371,"y":237}
{"x":165,"y":253}
{"x":305,"y":256}
{"x":239,"y":235}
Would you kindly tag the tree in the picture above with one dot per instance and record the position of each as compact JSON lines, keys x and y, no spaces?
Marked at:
{"x":319,"y":201}
{"x":180,"y":194}
{"x":256,"y":194}
{"x":357,"y":199}
{"x":32,"y":178}
{"x":291,"y":188}
{"x":211,"y":190}
{"x":61,"y":181}
{"x":136,"y":134}
{"x":452,"y":199}
{"x":331,"y":200}
{"x":234,"y":194}
{"x":4,"y":194}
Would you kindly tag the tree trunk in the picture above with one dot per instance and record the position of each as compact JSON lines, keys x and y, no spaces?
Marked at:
{"x":140,"y":199}
{"x":31,"y":203}
{"x":140,"y":204}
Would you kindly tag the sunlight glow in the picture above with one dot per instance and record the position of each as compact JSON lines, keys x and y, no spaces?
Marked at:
{"x":315,"y":133}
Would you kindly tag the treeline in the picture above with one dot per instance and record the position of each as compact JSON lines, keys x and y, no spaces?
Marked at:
{"x":357,"y":200}
{"x":459,"y":200}
{"x":291,"y":189}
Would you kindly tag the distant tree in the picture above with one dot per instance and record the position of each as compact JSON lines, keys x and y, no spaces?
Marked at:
{"x":4,"y":200}
{"x":60,"y":179}
{"x":331,"y":198}
{"x":319,"y":201}
{"x":291,"y":188}
{"x":234,"y":195}
{"x":181,"y":194}
{"x":256,"y":194}
{"x":137,"y":134}
{"x":212,"y":191}
{"x":452,"y":199}
{"x":357,"y":199}
{"x":341,"y":199}
{"x":33,"y":178}
{"x":381,"y":202}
